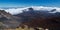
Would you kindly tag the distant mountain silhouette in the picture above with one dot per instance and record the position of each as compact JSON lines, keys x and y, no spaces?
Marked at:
{"x":53,"y":10}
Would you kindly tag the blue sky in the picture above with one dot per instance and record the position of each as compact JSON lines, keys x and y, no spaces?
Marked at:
{"x":22,"y":3}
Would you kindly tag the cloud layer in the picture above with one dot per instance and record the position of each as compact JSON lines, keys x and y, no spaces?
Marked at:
{"x":20,"y":10}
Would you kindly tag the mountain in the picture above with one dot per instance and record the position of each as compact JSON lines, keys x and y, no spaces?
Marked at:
{"x":8,"y":20}
{"x":32,"y":17}
{"x":40,"y":18}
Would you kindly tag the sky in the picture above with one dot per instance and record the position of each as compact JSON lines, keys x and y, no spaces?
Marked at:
{"x":23,"y":3}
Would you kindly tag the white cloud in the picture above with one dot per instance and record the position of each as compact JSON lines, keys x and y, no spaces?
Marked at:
{"x":15,"y":10}
{"x":19,"y":10}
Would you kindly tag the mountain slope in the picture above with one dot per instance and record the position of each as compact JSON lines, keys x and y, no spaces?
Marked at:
{"x":44,"y":19}
{"x":32,"y":18}
{"x":8,"y":20}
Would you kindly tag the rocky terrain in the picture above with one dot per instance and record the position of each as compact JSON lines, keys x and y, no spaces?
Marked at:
{"x":43,"y":19}
{"x":8,"y":20}
{"x":31,"y":18}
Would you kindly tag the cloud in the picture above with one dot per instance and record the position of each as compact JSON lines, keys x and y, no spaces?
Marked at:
{"x":19,"y":10}
{"x":15,"y":10}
